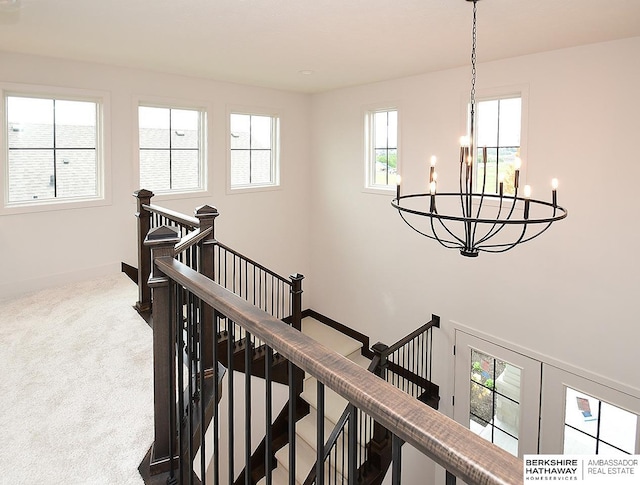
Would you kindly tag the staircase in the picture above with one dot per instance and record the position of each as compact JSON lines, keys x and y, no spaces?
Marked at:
{"x":213,"y":305}
{"x":334,"y":406}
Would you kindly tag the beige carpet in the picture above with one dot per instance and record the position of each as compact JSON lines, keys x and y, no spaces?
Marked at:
{"x":76,"y":395}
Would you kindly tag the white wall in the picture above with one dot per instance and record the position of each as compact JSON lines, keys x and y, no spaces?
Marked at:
{"x":570,"y":295}
{"x":46,"y":248}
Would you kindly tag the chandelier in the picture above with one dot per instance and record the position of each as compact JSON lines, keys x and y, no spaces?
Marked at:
{"x":480,"y":221}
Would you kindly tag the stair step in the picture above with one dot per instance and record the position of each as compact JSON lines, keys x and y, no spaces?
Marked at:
{"x":330,"y":337}
{"x":306,"y":430}
{"x":279,"y":476}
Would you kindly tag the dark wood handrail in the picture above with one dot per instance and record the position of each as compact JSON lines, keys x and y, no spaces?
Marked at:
{"x":191,"y":222}
{"x":253,"y":263}
{"x":434,"y":322}
{"x":191,"y":239}
{"x":448,"y":443}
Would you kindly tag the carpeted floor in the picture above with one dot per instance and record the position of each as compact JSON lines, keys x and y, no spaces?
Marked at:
{"x":76,"y":400}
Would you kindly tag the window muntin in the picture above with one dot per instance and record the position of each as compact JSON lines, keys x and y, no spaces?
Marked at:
{"x":382,"y":150}
{"x":171,"y":145}
{"x":254,"y":160}
{"x":54,"y":151}
{"x":498,"y":128}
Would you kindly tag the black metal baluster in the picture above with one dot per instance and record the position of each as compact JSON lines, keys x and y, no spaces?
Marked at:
{"x":203,"y":428}
{"x":269,"y":415}
{"x":248,"y":357}
{"x":320,"y":435}
{"x":450,"y":478}
{"x":292,"y":424}
{"x":230,"y":351}
{"x":190,"y":386}
{"x":396,"y":460}
{"x":216,"y":398}
{"x":353,"y":442}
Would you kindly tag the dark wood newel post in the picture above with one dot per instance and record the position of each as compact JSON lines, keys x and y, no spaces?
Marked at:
{"x":144,"y":252}
{"x":296,"y":300}
{"x":207,"y":217}
{"x":161,"y":241}
{"x":380,"y":445}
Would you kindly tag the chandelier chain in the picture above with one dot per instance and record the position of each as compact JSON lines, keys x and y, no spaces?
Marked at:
{"x":473,"y":56}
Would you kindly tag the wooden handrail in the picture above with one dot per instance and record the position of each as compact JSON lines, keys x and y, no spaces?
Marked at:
{"x":434,"y":322}
{"x":448,"y":443}
{"x":191,"y":222}
{"x":191,"y":239}
{"x":253,"y":263}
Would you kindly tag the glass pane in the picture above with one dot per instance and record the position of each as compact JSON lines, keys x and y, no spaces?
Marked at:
{"x":76,"y":173}
{"x":260,"y":166}
{"x":487,"y":123}
{"x":30,"y":122}
{"x":481,"y":404}
{"x":240,"y":130}
{"x":260,"y":132}
{"x":506,"y":167}
{"x":75,"y":124}
{"x":618,"y":427}
{"x":185,"y":173}
{"x":507,"y":415}
{"x":75,"y":136}
{"x":154,"y":169}
{"x":605,"y":449}
{"x":505,"y":441}
{"x":393,"y":129}
{"x":30,"y":175}
{"x":240,"y":167}
{"x":381,"y":130}
{"x":154,"y":127}
{"x":577,"y":443}
{"x":581,"y":412}
{"x":185,"y":128}
{"x":491,"y":181}
{"x":510,"y":120}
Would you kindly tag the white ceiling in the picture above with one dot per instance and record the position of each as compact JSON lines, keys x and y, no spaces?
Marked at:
{"x":268,"y":42}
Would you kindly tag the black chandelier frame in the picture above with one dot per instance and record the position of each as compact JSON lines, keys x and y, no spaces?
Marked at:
{"x":478,"y":230}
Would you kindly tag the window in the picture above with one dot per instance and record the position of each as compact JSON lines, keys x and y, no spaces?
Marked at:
{"x":172,"y":154}
{"x":54,"y":150}
{"x":382,"y":148}
{"x":498,"y":128}
{"x":254,"y":159}
{"x":595,"y":427}
{"x":495,"y":400}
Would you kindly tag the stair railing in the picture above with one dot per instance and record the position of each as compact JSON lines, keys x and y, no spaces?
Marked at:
{"x":460,"y":451}
{"x":199,"y":249}
{"x":407,"y":365}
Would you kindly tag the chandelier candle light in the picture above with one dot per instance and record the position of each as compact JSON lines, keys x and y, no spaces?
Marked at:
{"x":479,"y":221}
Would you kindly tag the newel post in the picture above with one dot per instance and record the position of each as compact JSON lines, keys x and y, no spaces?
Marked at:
{"x":296,"y":300}
{"x":144,"y":252}
{"x":161,"y":241}
{"x":207,"y":216}
{"x":380,"y":445}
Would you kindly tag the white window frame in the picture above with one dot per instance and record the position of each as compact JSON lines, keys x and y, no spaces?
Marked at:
{"x":103,"y":144}
{"x":505,"y":92}
{"x":369,"y":149}
{"x":276,"y":121}
{"x":177,"y":104}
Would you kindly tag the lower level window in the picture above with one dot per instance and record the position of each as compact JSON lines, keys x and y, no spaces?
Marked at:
{"x":53,"y":149}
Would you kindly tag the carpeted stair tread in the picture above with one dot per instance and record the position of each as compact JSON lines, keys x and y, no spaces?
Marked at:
{"x":329,"y":337}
